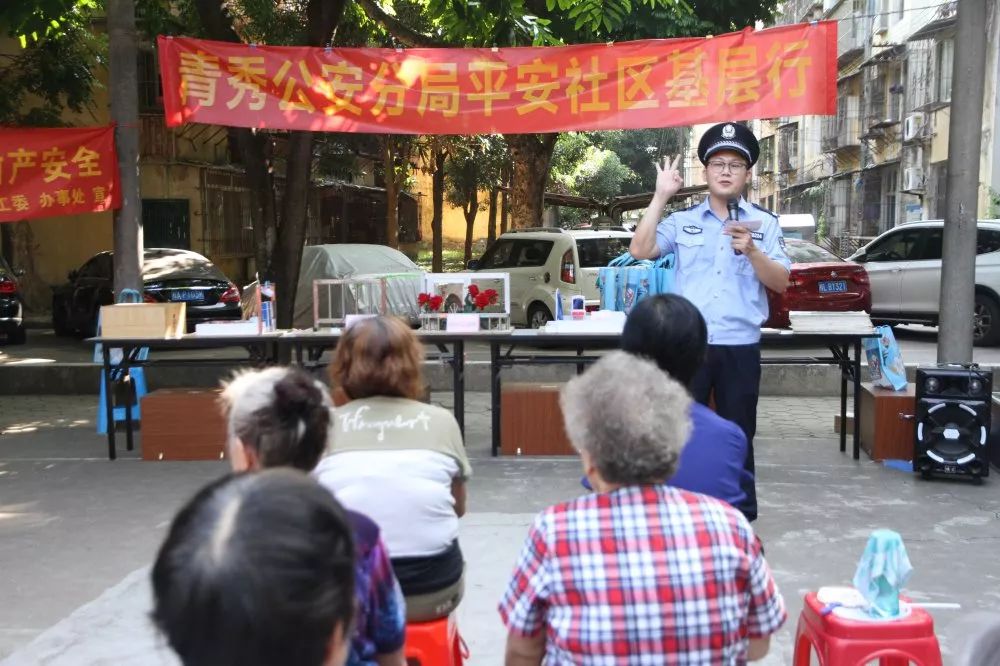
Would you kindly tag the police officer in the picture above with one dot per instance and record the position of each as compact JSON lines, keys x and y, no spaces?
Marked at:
{"x":723,"y":267}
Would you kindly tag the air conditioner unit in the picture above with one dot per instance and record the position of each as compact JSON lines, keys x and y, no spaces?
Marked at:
{"x":881,"y":23}
{"x":913,"y":179}
{"x":913,"y":126}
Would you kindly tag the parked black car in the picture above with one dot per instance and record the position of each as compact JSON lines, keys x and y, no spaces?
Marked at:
{"x":168,"y":275}
{"x":11,"y":306}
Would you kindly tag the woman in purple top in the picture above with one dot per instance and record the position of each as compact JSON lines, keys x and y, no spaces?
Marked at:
{"x":280,"y":417}
{"x":668,"y":330}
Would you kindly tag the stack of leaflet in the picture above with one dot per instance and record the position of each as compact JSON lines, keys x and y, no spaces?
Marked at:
{"x":831,"y":322}
{"x":600,"y":322}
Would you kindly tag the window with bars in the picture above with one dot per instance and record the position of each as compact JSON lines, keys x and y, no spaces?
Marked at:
{"x":228,"y":214}
{"x":890,"y":181}
{"x":150,"y":87}
{"x":788,"y":158}
{"x":944,"y":69}
{"x":840,"y":206}
{"x":765,"y":164}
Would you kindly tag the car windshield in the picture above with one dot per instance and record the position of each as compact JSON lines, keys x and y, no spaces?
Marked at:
{"x":598,"y":252}
{"x":178,"y":265}
{"x":4,"y":268}
{"x":802,"y":252}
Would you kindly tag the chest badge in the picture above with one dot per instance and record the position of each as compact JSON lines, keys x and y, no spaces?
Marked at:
{"x":692,"y":229}
{"x":757,"y":235}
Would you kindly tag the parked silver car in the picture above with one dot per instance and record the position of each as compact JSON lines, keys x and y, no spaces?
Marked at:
{"x":904,"y":266}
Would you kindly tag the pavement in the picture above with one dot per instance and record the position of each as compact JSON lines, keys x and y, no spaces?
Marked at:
{"x":78,"y":533}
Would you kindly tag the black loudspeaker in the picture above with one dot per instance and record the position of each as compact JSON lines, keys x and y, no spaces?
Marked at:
{"x":954,"y":410}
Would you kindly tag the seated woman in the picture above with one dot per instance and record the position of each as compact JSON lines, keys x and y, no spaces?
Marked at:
{"x":257,"y":570}
{"x":639,"y":572}
{"x":280,"y":417}
{"x":668,"y":330}
{"x":398,"y":460}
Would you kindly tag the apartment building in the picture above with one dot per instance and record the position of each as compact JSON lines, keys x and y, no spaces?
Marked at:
{"x":883,"y":158}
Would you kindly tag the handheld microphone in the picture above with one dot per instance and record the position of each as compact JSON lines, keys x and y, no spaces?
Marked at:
{"x":733,"y":206}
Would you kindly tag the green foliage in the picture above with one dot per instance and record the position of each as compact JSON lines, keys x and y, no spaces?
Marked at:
{"x":570,"y":151}
{"x":55,"y":70}
{"x":474,"y":164}
{"x":634,"y":151}
{"x":601,"y":175}
{"x":994,"y":204}
{"x":35,"y":21}
{"x":638,"y":149}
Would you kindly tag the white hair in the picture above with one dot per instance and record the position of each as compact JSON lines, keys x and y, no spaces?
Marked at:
{"x":249,"y":391}
{"x":630,"y":417}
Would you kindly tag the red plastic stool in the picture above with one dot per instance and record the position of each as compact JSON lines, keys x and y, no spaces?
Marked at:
{"x":842,"y":642}
{"x":435,"y":643}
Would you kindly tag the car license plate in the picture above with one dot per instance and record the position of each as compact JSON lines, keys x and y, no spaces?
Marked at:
{"x":835,"y":287}
{"x":187,"y":295}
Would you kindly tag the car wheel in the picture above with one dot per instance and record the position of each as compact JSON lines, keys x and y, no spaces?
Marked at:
{"x":90,"y":328}
{"x":60,"y":320}
{"x":538,"y":316}
{"x":985,"y":321}
{"x":17,"y":337}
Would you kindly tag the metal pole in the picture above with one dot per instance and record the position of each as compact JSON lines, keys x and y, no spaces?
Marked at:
{"x":958,"y":271}
{"x":124,"y":89}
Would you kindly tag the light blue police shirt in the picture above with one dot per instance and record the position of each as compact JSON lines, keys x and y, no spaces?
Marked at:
{"x":721,"y":284}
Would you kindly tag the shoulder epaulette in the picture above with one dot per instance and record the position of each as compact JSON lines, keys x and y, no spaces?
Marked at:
{"x":769,"y":212}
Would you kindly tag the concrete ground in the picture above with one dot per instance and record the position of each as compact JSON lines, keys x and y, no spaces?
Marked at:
{"x":77,"y":532}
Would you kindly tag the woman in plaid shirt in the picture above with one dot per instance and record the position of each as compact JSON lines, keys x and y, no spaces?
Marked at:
{"x":637,"y":572}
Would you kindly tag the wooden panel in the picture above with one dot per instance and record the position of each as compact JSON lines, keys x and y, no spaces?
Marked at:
{"x":884,"y":435}
{"x":532,"y":421}
{"x":183,"y":424}
{"x":143,"y":320}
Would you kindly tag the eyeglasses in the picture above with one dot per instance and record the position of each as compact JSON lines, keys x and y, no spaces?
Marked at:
{"x":718,"y":166}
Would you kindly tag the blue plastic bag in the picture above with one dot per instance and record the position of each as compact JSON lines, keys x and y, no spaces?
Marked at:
{"x":626,"y":281}
{"x":885,"y":363}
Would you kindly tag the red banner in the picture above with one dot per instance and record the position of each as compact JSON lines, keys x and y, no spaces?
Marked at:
{"x":57,"y":171}
{"x":784,"y":71}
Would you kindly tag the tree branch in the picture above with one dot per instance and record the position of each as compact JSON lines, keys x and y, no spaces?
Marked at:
{"x":324,"y":17}
{"x":408,"y":36}
{"x":218,"y":24}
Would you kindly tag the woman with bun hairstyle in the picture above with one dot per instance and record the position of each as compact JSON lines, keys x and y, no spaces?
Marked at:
{"x":280,"y":417}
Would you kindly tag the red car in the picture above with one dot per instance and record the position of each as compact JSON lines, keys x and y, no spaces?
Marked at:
{"x":819,"y":281}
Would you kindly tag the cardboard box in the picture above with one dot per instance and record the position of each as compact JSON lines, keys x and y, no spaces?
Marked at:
{"x":143,"y":320}
{"x":183,"y":424}
{"x":532,"y":421}
{"x":885,"y":432}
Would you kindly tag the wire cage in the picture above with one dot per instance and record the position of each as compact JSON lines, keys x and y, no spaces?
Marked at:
{"x":335,"y":300}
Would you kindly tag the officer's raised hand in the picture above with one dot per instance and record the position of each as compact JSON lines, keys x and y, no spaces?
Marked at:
{"x":668,"y":178}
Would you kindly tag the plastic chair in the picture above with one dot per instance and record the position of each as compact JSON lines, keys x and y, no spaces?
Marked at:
{"x":137,"y":388}
{"x":435,"y":643}
{"x":842,"y":642}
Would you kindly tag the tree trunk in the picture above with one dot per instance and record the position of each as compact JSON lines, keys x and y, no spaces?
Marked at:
{"x":277,"y":242}
{"x":437,"y":197}
{"x":254,"y":151}
{"x":471,"y":208}
{"x":392,"y":186}
{"x":19,"y":249}
{"x":294,"y":219}
{"x":531,"y":156}
{"x":505,"y":206}
{"x":491,"y":230}
{"x":123,"y":56}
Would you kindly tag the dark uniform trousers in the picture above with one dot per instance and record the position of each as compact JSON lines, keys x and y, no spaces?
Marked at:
{"x":731,"y":374}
